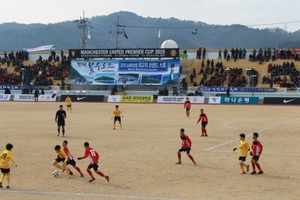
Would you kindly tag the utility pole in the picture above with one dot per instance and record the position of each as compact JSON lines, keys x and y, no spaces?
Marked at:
{"x":83,"y":24}
{"x":117,"y":32}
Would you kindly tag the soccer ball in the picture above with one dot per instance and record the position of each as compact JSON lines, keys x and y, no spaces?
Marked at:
{"x":55,"y":173}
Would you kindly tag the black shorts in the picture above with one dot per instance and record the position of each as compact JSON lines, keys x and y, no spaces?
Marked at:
{"x":188,"y":109}
{"x":61,"y":123}
{"x":94,"y":166}
{"x":242,"y":158}
{"x":71,"y":162}
{"x":58,"y":159}
{"x":203,"y":124}
{"x":5,"y":171}
{"x":187,"y":150}
{"x":68,"y":106}
{"x":255,"y":158}
{"x":117,"y":119}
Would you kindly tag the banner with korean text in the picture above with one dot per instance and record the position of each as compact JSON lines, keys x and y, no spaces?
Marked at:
{"x":239,"y":100}
{"x":130,"y":72}
{"x":237,"y":89}
{"x":30,"y":97}
{"x":180,"y":99}
{"x":133,"y":99}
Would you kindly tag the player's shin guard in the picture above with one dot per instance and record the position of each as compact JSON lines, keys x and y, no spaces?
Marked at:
{"x":78,"y":169}
{"x":63,"y":132}
{"x":8,"y":179}
{"x":242,"y":167}
{"x":258,"y":166}
{"x":68,"y":170}
{"x":179,"y":156}
{"x":202,"y":131}
{"x":1,"y":178}
{"x":90,"y":173}
{"x":58,"y":166}
{"x":253,"y":166}
{"x":100,"y":173}
{"x":191,"y":157}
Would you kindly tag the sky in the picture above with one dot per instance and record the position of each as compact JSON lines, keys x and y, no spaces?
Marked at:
{"x":264,"y":13}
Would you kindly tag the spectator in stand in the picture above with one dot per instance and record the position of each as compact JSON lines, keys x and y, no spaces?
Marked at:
{"x":220,"y":54}
{"x":228,"y":57}
{"x":225,"y":53}
{"x":244,"y":54}
{"x":204,"y":53}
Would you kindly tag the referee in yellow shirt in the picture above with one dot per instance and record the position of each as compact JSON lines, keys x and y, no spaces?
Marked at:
{"x":68,"y":103}
{"x":244,"y":147}
{"x":5,"y":157}
{"x":117,"y":117}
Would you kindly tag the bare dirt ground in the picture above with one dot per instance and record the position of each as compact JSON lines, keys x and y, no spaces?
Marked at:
{"x":140,"y":159}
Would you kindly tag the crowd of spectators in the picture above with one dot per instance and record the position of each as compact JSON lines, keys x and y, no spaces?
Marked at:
{"x":217,"y":75}
{"x":40,"y":73}
{"x":278,"y":74}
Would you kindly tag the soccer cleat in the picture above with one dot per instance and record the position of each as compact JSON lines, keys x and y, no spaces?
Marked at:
{"x":68,"y":177}
{"x":92,"y":180}
{"x":202,"y":135}
{"x":247,"y":168}
{"x":58,"y":134}
{"x":7,"y":187}
{"x":107,"y":178}
{"x":260,"y":172}
{"x":81,"y":175}
{"x":254,"y":172}
{"x":178,"y":163}
{"x":243,"y":173}
{"x":205,"y":135}
{"x":1,"y":185}
{"x":194,"y":163}
{"x":114,"y":129}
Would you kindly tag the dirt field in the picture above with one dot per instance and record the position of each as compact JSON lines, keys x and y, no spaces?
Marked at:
{"x":140,"y":159}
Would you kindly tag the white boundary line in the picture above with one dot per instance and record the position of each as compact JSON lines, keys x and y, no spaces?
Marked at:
{"x":86,"y":194}
{"x":230,"y":141}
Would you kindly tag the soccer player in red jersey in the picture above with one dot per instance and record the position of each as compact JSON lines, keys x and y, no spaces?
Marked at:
{"x":257,"y":149}
{"x":94,"y":157}
{"x":204,"y":121}
{"x":185,"y":146}
{"x":71,"y":160}
{"x":187,"y":106}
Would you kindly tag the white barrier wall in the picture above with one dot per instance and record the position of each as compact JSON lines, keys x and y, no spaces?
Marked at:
{"x":180,"y":99}
{"x":30,"y":97}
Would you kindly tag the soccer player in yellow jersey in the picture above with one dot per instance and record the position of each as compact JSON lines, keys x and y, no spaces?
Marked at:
{"x":5,"y":157}
{"x":117,"y":116}
{"x":68,"y":103}
{"x":61,"y":157}
{"x":244,"y":148}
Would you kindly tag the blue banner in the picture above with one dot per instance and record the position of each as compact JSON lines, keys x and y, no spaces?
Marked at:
{"x":20,"y":87}
{"x":130,"y":72}
{"x":239,"y":100}
{"x":240,"y":89}
{"x":143,"y":66}
{"x":11,"y":87}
